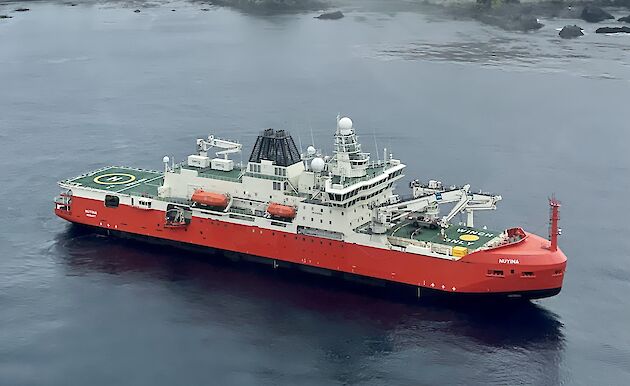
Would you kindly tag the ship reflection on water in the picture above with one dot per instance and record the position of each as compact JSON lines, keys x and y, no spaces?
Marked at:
{"x":346,"y":329}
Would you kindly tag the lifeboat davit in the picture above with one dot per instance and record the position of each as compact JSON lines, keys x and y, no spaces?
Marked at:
{"x":217,"y":200}
{"x":281,"y":211}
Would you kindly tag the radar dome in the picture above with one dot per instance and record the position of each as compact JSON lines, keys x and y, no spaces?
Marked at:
{"x":345,"y":126}
{"x":310,"y":150}
{"x":165,"y":159}
{"x":317,"y":165}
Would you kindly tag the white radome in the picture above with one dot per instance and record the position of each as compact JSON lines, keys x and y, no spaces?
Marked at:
{"x":345,"y":126}
{"x":310,"y":150}
{"x":317,"y":165}
{"x":165,"y":159}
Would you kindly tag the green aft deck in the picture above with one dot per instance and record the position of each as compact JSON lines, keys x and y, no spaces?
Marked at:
{"x":118,"y":179}
{"x":454,"y":235}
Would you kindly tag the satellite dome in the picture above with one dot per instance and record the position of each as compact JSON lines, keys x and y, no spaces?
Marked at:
{"x":310,"y":150}
{"x":165,"y":159}
{"x":317,"y":165}
{"x":345,"y":126}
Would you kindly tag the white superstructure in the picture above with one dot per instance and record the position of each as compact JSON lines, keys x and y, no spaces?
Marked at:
{"x":345,"y":195}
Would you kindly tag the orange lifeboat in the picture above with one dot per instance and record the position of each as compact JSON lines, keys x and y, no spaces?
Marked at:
{"x":282,"y":211}
{"x":210,"y":199}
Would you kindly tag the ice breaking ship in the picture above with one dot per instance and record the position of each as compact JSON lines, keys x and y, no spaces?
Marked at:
{"x":337,"y":215}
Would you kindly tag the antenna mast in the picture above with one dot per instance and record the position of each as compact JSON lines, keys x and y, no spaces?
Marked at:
{"x":554,"y":216}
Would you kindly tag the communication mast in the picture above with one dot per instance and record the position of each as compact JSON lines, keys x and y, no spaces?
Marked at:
{"x":554,"y":216}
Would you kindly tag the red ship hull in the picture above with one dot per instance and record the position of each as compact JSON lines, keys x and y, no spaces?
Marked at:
{"x":528,"y":269}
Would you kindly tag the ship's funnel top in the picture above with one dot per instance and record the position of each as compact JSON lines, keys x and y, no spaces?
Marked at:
{"x":276,"y":146}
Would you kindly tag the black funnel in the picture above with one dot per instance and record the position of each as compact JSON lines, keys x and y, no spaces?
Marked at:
{"x":276,"y":146}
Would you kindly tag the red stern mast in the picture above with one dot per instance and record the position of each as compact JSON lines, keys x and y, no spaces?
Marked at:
{"x":554,"y":216}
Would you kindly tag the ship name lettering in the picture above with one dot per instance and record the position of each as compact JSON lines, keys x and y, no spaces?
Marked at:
{"x":458,"y":242}
{"x":509,"y":261}
{"x":474,"y":232}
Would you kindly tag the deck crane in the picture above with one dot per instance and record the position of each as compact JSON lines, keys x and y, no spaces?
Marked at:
{"x":202,"y":160}
{"x":426,"y":200}
{"x":230,"y":147}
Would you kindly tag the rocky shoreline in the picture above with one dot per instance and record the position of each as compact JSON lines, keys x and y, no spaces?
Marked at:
{"x":512,"y":15}
{"x":509,"y":15}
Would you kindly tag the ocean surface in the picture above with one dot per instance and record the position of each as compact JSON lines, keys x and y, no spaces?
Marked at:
{"x":523,"y":115}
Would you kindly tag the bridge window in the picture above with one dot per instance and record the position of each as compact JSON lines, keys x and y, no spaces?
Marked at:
{"x":280,"y":171}
{"x":111,"y":201}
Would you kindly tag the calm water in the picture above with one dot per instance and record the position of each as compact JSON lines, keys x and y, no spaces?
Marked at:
{"x":524,"y":115}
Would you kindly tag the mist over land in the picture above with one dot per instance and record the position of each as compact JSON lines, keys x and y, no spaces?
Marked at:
{"x":510,"y":15}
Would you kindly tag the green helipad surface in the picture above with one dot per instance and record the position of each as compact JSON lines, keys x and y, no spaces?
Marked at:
{"x":117,"y":179}
{"x":455,"y":235}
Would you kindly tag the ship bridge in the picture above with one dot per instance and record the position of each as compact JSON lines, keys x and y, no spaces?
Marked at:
{"x":353,"y":178}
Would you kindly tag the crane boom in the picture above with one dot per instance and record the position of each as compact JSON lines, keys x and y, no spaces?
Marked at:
{"x":426,"y":201}
{"x":229,"y":147}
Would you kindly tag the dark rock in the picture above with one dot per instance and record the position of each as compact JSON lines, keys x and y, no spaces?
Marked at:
{"x":570,"y":31}
{"x":613,"y":30}
{"x":173,"y":10}
{"x":22,"y":10}
{"x":330,"y":16}
{"x":625,"y":19}
{"x":510,"y":22}
{"x":528,"y":23}
{"x":593,"y":14}
{"x":5,"y":17}
{"x":273,"y":6}
{"x":205,"y":9}
{"x":137,"y":11}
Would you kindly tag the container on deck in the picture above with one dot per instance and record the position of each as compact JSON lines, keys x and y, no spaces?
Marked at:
{"x":460,"y":251}
{"x":441,"y":249}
